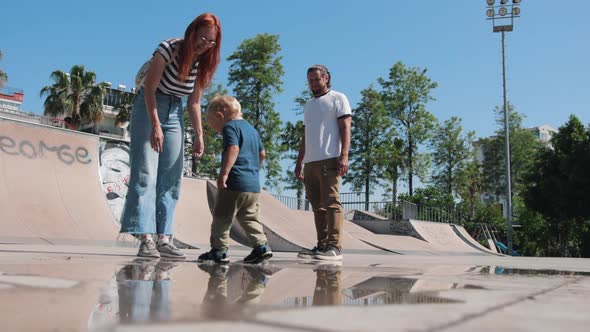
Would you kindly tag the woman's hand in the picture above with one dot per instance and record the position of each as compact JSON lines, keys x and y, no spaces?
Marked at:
{"x":157,"y":138}
{"x":198,"y":146}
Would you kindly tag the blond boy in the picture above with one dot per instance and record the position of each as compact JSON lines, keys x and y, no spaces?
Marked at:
{"x":238,"y":182}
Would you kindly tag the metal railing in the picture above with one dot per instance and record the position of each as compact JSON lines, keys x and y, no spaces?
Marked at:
{"x":400,"y":210}
{"x":293,"y":202}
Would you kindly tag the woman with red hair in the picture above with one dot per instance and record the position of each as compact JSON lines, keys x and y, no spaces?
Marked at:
{"x":179,"y":68}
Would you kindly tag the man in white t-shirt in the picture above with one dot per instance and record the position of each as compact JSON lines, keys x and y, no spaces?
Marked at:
{"x":323,"y":159}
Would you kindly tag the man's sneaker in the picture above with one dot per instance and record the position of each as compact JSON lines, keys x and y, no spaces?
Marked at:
{"x":148,"y":249}
{"x":214,"y":255}
{"x":259,"y":254}
{"x":330,"y":254}
{"x":308,"y":254}
{"x":168,"y":250}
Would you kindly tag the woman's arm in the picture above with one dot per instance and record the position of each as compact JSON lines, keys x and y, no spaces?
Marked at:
{"x":194,"y":112}
{"x":149,"y":92}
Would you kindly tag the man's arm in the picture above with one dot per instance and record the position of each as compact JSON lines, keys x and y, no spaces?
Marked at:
{"x":229,"y":159}
{"x":300,"y":155}
{"x":344,"y":123}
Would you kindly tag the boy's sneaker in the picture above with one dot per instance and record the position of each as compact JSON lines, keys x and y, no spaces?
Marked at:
{"x":148,"y":249}
{"x":168,"y":250}
{"x":215,"y":270}
{"x":214,"y":255}
{"x":330,"y":254}
{"x":259,"y":254}
{"x":308,"y":254}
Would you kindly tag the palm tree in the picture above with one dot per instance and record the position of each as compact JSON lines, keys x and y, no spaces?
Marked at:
{"x":75,"y":94}
{"x":3,"y":76}
{"x":124,"y":107}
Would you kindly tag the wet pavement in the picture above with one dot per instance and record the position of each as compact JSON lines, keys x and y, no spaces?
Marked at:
{"x":77,"y":288}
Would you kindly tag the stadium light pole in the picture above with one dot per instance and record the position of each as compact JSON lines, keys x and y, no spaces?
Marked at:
{"x":502,"y":17}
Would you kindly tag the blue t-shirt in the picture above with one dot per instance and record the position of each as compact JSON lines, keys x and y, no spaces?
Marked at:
{"x":244,"y":176}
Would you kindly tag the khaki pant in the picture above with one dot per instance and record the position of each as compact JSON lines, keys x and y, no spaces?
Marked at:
{"x":322,"y":190}
{"x":328,"y":289}
{"x":244,"y":207}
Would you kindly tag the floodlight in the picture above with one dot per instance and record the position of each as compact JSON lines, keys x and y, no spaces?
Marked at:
{"x":490,"y":12}
{"x":503,"y":11}
{"x":491,"y":2}
{"x":515,"y":11}
{"x":516,"y":1}
{"x":503,"y":1}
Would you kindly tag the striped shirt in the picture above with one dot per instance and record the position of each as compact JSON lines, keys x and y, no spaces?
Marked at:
{"x":170,"y":82}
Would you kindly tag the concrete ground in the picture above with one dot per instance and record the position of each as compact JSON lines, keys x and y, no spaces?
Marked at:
{"x":80,"y":287}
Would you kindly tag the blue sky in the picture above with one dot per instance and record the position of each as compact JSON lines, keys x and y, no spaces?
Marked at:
{"x":548,"y":62}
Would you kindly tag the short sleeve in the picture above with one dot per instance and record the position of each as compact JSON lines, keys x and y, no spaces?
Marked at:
{"x":230,"y":136}
{"x":166,"y":49}
{"x":343,"y":107}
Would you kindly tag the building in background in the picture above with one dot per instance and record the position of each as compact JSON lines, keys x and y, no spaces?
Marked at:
{"x":11,"y":100}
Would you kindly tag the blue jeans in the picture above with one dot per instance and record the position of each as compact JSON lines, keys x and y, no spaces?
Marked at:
{"x":154,"y":181}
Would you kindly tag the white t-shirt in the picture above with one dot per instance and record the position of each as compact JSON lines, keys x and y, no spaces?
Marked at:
{"x":320,"y":118}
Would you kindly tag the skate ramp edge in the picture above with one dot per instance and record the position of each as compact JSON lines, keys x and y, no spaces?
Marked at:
{"x":464,"y":235}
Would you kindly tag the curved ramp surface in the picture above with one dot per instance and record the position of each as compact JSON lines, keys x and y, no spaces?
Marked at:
{"x":415,"y":237}
{"x":49,"y":186}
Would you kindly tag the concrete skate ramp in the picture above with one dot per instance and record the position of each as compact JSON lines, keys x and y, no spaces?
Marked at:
{"x":415,"y":237}
{"x":399,"y":244}
{"x":49,"y":186}
{"x":50,"y":191}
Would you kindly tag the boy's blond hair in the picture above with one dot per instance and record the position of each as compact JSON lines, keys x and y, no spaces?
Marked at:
{"x":227,"y":105}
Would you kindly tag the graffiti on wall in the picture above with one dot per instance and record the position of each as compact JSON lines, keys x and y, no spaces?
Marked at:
{"x":114,"y":171}
{"x":27,"y":149}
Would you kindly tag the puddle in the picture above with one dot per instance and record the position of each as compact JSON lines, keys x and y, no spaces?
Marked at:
{"x":8,"y":280}
{"x":151,"y":291}
{"x":500,"y":270}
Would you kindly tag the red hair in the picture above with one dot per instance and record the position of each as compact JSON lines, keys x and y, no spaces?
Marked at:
{"x":209,"y":60}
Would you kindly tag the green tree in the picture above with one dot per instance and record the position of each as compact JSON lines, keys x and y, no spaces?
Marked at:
{"x":74,"y":94}
{"x":209,"y":163}
{"x":391,"y":158}
{"x":523,"y":145}
{"x":255,"y":72}
{"x":290,"y":142}
{"x":405,"y":94}
{"x":123,"y":109}
{"x":470,"y":183}
{"x":558,"y":186}
{"x":452,"y":150}
{"x":369,"y":134}
{"x":3,"y":75}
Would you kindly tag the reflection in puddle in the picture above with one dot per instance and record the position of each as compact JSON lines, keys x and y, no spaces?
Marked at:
{"x":531,"y":272}
{"x":141,"y":291}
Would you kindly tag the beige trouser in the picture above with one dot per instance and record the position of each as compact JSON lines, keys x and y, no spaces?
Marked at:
{"x":243,"y":206}
{"x":328,"y":290}
{"x":322,"y":189}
